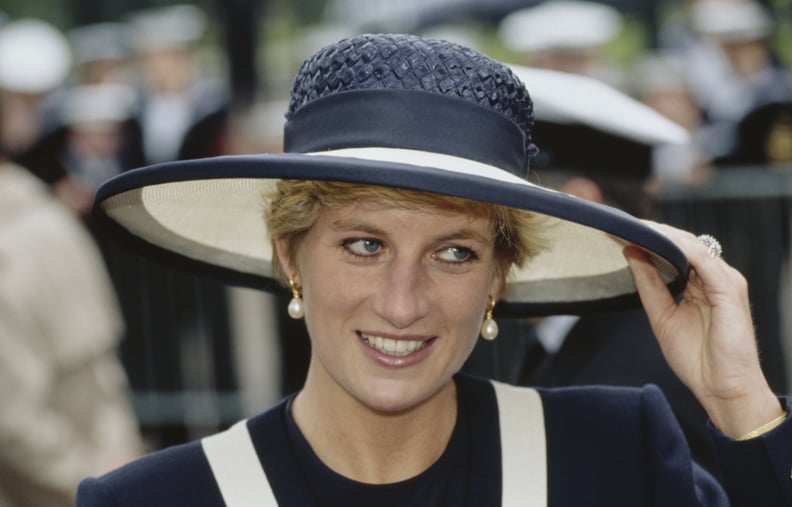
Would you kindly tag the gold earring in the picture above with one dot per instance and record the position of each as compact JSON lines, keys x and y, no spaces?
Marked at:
{"x":489,"y":328}
{"x":296,"y":309}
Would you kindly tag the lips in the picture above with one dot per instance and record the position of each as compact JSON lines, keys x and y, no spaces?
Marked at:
{"x":392,"y":347}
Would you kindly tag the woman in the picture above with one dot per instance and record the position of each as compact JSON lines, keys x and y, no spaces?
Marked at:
{"x":400,"y":220}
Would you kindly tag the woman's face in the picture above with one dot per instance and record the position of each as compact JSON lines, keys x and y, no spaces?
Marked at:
{"x":394,"y":299}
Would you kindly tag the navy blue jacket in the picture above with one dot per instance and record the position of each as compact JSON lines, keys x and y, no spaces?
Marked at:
{"x":606,"y":446}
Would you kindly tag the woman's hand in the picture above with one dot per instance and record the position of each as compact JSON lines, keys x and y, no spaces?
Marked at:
{"x":708,"y":337}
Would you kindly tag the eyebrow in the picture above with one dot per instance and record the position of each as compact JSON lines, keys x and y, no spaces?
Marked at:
{"x":368,"y":228}
{"x":347,"y":225}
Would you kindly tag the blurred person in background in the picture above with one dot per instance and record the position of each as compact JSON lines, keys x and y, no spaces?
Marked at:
{"x":98,"y":138}
{"x":732,"y":68}
{"x":566,"y":35}
{"x":62,"y":388}
{"x":764,"y":136}
{"x":658,"y":80}
{"x":35,"y":60}
{"x":67,"y":132}
{"x":175,"y":92}
{"x":101,"y":53}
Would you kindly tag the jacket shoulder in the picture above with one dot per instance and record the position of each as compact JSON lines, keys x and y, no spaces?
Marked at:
{"x":178,"y":475}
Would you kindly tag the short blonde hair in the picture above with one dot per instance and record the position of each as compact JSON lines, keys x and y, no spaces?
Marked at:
{"x":294,"y":206}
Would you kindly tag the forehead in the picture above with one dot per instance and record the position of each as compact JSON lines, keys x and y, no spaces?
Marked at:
{"x":378,"y":213}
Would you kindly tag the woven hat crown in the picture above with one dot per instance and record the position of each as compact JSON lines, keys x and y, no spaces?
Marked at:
{"x":408,"y":62}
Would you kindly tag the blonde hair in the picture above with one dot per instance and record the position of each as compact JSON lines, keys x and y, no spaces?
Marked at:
{"x":294,"y":206}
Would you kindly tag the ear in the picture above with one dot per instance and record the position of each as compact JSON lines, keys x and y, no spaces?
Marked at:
{"x":584,"y":188}
{"x":285,"y":259}
{"x":498,"y":284}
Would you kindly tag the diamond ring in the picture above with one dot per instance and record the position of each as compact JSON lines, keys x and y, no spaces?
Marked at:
{"x":712,"y":244}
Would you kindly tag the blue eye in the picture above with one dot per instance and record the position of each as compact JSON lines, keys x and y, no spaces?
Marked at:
{"x":363,"y":246}
{"x":455,"y":254}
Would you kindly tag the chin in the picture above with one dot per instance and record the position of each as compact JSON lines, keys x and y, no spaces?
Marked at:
{"x":395,"y":396}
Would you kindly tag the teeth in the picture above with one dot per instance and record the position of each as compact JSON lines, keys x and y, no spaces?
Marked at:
{"x":393,"y":347}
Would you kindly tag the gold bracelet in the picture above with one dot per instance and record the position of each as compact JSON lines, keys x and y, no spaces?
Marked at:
{"x":761,"y":430}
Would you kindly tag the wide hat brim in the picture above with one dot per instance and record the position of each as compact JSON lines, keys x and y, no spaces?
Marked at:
{"x":206,"y":216}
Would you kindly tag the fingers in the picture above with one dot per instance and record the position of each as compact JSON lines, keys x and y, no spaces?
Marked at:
{"x":708,"y":273}
{"x":696,"y":251}
{"x":712,"y":282}
{"x":655,"y":296}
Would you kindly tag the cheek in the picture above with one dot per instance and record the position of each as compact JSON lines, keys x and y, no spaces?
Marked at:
{"x":466,"y":306}
{"x":330,"y":291}
{"x":464,"y":316}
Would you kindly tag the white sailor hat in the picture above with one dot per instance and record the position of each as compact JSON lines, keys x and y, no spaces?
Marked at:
{"x":34,"y":56}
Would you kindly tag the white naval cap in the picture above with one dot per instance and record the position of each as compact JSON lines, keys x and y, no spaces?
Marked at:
{"x":34,"y":56}
{"x":166,"y":27}
{"x":560,"y":25}
{"x":730,"y":20}
{"x":96,"y":104}
{"x":100,"y":41}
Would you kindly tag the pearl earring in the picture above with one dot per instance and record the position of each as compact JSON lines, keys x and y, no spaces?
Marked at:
{"x":296,"y":309}
{"x":489,"y":328}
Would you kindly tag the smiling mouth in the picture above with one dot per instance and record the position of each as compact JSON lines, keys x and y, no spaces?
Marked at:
{"x":392,"y":347}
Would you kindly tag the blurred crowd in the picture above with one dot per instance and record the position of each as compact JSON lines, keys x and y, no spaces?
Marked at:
{"x":715,"y":72}
{"x":80,"y":106}
{"x":107,"y":97}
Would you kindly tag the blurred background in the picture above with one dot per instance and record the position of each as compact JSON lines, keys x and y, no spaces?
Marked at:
{"x":90,"y":88}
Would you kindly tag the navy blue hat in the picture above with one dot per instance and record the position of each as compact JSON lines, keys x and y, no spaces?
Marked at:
{"x":398,"y":111}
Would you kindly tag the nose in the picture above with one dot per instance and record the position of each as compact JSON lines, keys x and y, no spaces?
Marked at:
{"x":402,"y":297}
